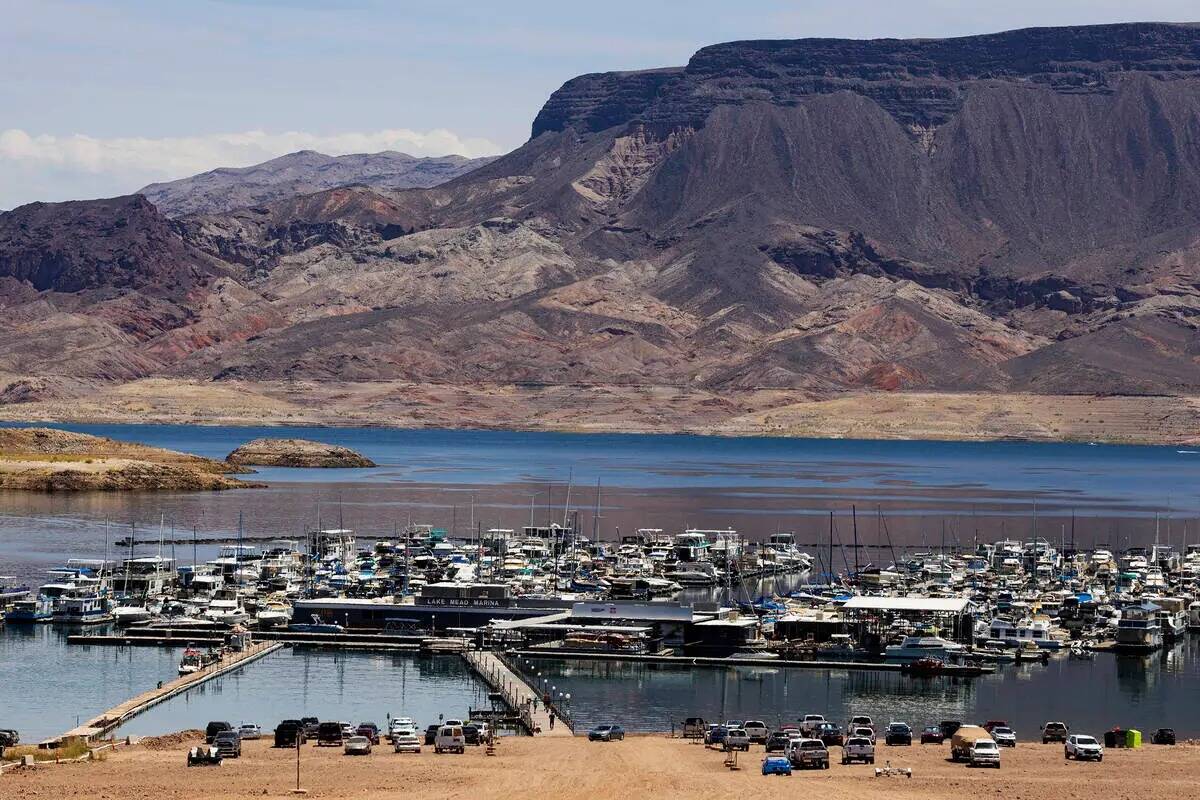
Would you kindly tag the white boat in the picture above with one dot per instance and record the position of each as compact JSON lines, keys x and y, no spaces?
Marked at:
{"x":915,"y":647}
{"x":1017,"y":634}
{"x":125,"y":616}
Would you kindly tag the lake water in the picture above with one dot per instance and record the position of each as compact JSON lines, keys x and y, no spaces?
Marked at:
{"x":906,"y":495}
{"x":1091,"y":696}
{"x":915,"y":494}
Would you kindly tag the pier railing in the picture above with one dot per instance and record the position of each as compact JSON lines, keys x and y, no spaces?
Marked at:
{"x":517,"y":665}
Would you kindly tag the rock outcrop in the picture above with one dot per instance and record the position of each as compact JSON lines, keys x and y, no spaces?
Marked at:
{"x":296,"y":453}
{"x":51,"y":460}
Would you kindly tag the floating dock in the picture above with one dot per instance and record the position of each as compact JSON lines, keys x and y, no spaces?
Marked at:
{"x":949,"y":671}
{"x":517,"y":694}
{"x":114,"y":717}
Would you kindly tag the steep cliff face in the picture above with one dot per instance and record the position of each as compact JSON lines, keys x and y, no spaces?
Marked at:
{"x":1016,"y":211}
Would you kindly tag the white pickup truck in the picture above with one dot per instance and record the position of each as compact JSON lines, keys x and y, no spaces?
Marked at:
{"x":858,"y":748}
{"x":984,"y":753}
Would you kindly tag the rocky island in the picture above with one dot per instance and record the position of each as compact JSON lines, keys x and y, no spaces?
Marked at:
{"x":296,"y":453}
{"x":49,"y":460}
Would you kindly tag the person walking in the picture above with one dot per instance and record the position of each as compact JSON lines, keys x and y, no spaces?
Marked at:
{"x":551,"y":720}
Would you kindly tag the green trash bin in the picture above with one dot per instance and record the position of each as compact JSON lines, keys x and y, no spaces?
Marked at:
{"x":1133,"y":738}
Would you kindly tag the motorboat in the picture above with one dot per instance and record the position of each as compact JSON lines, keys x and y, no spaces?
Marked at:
{"x":917,"y":647}
{"x":30,"y":611}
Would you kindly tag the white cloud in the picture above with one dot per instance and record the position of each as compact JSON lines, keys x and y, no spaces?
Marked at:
{"x":48,"y":167}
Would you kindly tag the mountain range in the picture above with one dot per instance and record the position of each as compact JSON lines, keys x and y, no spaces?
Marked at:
{"x":302,"y":172}
{"x":774,"y":222}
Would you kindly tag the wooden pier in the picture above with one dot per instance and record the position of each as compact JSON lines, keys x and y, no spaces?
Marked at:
{"x":114,"y":717}
{"x":518,"y":695}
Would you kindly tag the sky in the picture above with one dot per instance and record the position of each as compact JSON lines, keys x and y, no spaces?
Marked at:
{"x":100,"y":98}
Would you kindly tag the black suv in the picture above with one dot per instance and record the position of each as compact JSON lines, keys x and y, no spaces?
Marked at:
{"x":330,"y":733}
{"x":898,"y":733}
{"x":311,"y":726}
{"x":289,"y":733}
{"x":431,"y":734}
{"x":777,"y":742}
{"x":213,"y":728}
{"x":9,"y":737}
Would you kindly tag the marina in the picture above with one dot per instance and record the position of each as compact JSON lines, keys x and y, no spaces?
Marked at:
{"x":852,"y":598}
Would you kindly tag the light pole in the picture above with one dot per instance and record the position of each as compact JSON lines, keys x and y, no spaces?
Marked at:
{"x":299,"y":738}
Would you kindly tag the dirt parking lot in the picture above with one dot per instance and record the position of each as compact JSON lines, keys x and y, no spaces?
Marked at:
{"x":574,"y":769}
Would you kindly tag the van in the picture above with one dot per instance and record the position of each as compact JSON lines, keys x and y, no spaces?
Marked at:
{"x":963,"y":739}
{"x":694,"y":728}
{"x":450,"y":738}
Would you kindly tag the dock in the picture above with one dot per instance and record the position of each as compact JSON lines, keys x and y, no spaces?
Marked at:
{"x":517,"y":694}
{"x":949,"y":671}
{"x":104,"y":723}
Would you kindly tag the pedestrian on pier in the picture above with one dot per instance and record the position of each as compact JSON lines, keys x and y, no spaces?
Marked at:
{"x":551,"y":720}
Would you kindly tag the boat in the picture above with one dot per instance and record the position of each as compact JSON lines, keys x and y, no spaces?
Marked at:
{"x":1037,"y":631}
{"x":82,"y":609}
{"x":1138,"y":629}
{"x":125,"y":616}
{"x":30,"y":611}
{"x":918,"y":647}
{"x":316,"y":626}
{"x":925,"y":667}
{"x":191,"y":662}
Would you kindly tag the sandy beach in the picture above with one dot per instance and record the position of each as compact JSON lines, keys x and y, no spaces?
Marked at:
{"x":574,"y":769}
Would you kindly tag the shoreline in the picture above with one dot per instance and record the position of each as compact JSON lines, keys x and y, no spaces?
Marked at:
{"x":623,"y":410}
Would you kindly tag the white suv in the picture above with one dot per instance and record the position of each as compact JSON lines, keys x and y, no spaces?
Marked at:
{"x":984,"y":753}
{"x":1083,"y":748}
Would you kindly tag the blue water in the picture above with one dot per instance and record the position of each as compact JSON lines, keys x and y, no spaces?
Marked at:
{"x":349,"y":687}
{"x":1138,"y":479}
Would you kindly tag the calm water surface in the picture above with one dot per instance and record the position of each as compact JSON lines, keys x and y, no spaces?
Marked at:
{"x":1091,"y":696}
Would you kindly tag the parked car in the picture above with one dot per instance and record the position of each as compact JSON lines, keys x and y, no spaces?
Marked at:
{"x":311,"y":726}
{"x":1004,"y":736}
{"x":431,"y":734}
{"x":984,"y":753}
{"x":330,"y":733}
{"x":1054,"y":732}
{"x":213,"y":728}
{"x":861,"y":721}
{"x":810,"y":722}
{"x":228,"y":744}
{"x":694,"y":728}
{"x":471,"y":734}
{"x":777,"y":742}
{"x":963,"y":739}
{"x":863,"y":731}
{"x":1082,"y":748}
{"x":289,"y":733}
{"x":369,"y":730}
{"x":450,"y":739}
{"x":357,"y":746}
{"x":992,"y":724}
{"x":1163,"y":736}
{"x":732,"y":723}
{"x":606,"y":733}
{"x":948,"y":727}
{"x":898,"y":733}
{"x":406,"y":742}
{"x":809,"y":753}
{"x":776,"y":765}
{"x":736,"y":739}
{"x":348,"y":730}
{"x":715,"y":735}
{"x":830,"y":733}
{"x":248,"y":730}
{"x":204,"y":756}
{"x":9,"y":737}
{"x":757,"y":730}
{"x":858,"y":748}
{"x":401,"y":725}
{"x":932,"y":735}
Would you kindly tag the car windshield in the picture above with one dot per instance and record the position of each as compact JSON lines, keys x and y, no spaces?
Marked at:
{"x":933,"y":729}
{"x":899,"y":727}
{"x":984,"y":744}
{"x":1004,"y":731}
{"x":858,"y":742}
{"x":1085,"y":740}
{"x":812,"y":745}
{"x":603,"y":727}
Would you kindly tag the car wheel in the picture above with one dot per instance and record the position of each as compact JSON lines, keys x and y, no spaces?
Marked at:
{"x":1099,"y":759}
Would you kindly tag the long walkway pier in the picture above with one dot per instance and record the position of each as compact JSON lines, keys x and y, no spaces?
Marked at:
{"x":517,"y":694}
{"x":114,"y":717}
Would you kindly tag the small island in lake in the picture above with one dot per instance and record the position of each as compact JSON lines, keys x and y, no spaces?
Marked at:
{"x":50,"y":460}
{"x":296,"y":453}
